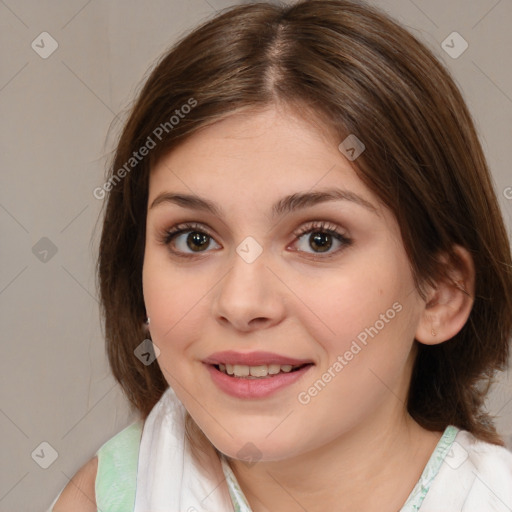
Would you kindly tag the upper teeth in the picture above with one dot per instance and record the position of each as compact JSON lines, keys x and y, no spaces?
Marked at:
{"x":241,"y":370}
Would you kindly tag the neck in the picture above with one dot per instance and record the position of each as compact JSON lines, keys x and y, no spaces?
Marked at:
{"x":363,"y":469}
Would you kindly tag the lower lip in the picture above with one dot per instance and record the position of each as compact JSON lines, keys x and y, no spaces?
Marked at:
{"x":241,"y":387}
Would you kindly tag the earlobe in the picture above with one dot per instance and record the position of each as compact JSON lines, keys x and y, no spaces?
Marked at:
{"x":449,"y":304}
{"x":145,"y":325}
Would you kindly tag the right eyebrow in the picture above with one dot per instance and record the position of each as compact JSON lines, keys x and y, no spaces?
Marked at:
{"x":190,"y":201}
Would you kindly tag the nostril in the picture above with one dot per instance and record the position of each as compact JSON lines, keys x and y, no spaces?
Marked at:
{"x":258,"y":320}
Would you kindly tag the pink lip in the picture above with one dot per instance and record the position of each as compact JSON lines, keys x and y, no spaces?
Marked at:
{"x":240,"y":387}
{"x":252,"y":358}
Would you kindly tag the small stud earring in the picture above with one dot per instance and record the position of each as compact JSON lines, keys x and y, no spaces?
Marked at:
{"x":432,"y":331}
{"x":147,"y":320}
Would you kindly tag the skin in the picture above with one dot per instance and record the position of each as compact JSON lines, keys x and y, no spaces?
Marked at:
{"x":79,"y":494}
{"x":355,"y":435}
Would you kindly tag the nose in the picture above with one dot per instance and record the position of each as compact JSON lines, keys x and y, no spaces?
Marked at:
{"x":249,"y":297}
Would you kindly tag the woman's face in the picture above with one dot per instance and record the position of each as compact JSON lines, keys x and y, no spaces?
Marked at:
{"x":285,"y":258}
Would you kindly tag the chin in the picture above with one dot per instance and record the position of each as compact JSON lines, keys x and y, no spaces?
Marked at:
{"x":255,"y":448}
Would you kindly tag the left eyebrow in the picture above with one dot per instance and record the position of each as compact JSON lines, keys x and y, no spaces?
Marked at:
{"x":286,"y":205}
{"x":302,"y":200}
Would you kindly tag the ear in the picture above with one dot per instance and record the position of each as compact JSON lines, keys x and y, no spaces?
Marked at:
{"x":449,"y":303}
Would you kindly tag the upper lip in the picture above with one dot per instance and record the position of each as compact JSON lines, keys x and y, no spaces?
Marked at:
{"x":252,"y":358}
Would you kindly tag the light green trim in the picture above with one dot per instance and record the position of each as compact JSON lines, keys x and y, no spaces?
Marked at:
{"x":413,"y":503}
{"x":116,"y":477}
{"x":238,"y":498}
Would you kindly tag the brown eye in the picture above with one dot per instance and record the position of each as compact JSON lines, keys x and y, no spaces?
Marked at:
{"x":320,"y":237}
{"x":320,"y":242}
{"x":186,"y":239}
{"x":197,"y":241}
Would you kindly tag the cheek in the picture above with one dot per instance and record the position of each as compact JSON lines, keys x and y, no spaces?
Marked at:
{"x":365,"y":311}
{"x":372,"y":318}
{"x":175,"y":301}
{"x":346,"y":302}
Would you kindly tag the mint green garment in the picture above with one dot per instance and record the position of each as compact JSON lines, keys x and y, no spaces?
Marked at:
{"x":116,"y":478}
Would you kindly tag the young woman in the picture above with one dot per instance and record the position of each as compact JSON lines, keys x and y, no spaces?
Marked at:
{"x":301,"y":219}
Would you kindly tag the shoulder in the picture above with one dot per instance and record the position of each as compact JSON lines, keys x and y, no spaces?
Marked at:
{"x":116,"y":477}
{"x":486,"y":459}
{"x":127,"y":439}
{"x":79,"y":494}
{"x":107,"y":481}
{"x":488,"y":467}
{"x":474,"y":476}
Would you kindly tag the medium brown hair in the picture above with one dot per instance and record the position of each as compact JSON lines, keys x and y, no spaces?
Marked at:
{"x":350,"y":67}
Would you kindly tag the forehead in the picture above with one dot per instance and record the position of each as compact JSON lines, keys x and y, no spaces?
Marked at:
{"x":245,"y":153}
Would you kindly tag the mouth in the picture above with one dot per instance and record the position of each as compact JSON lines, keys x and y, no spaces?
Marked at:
{"x":255,"y":375}
{"x":257,"y":372}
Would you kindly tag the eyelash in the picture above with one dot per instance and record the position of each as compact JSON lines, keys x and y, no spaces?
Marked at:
{"x":312,"y":227}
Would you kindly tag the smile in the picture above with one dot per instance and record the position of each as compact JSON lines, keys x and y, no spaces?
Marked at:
{"x":254,"y":375}
{"x":256,"y":372}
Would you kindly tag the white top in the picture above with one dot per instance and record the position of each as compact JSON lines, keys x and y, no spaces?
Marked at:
{"x":462,"y":475}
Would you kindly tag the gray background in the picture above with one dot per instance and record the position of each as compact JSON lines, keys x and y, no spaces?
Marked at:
{"x":56,"y":112}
